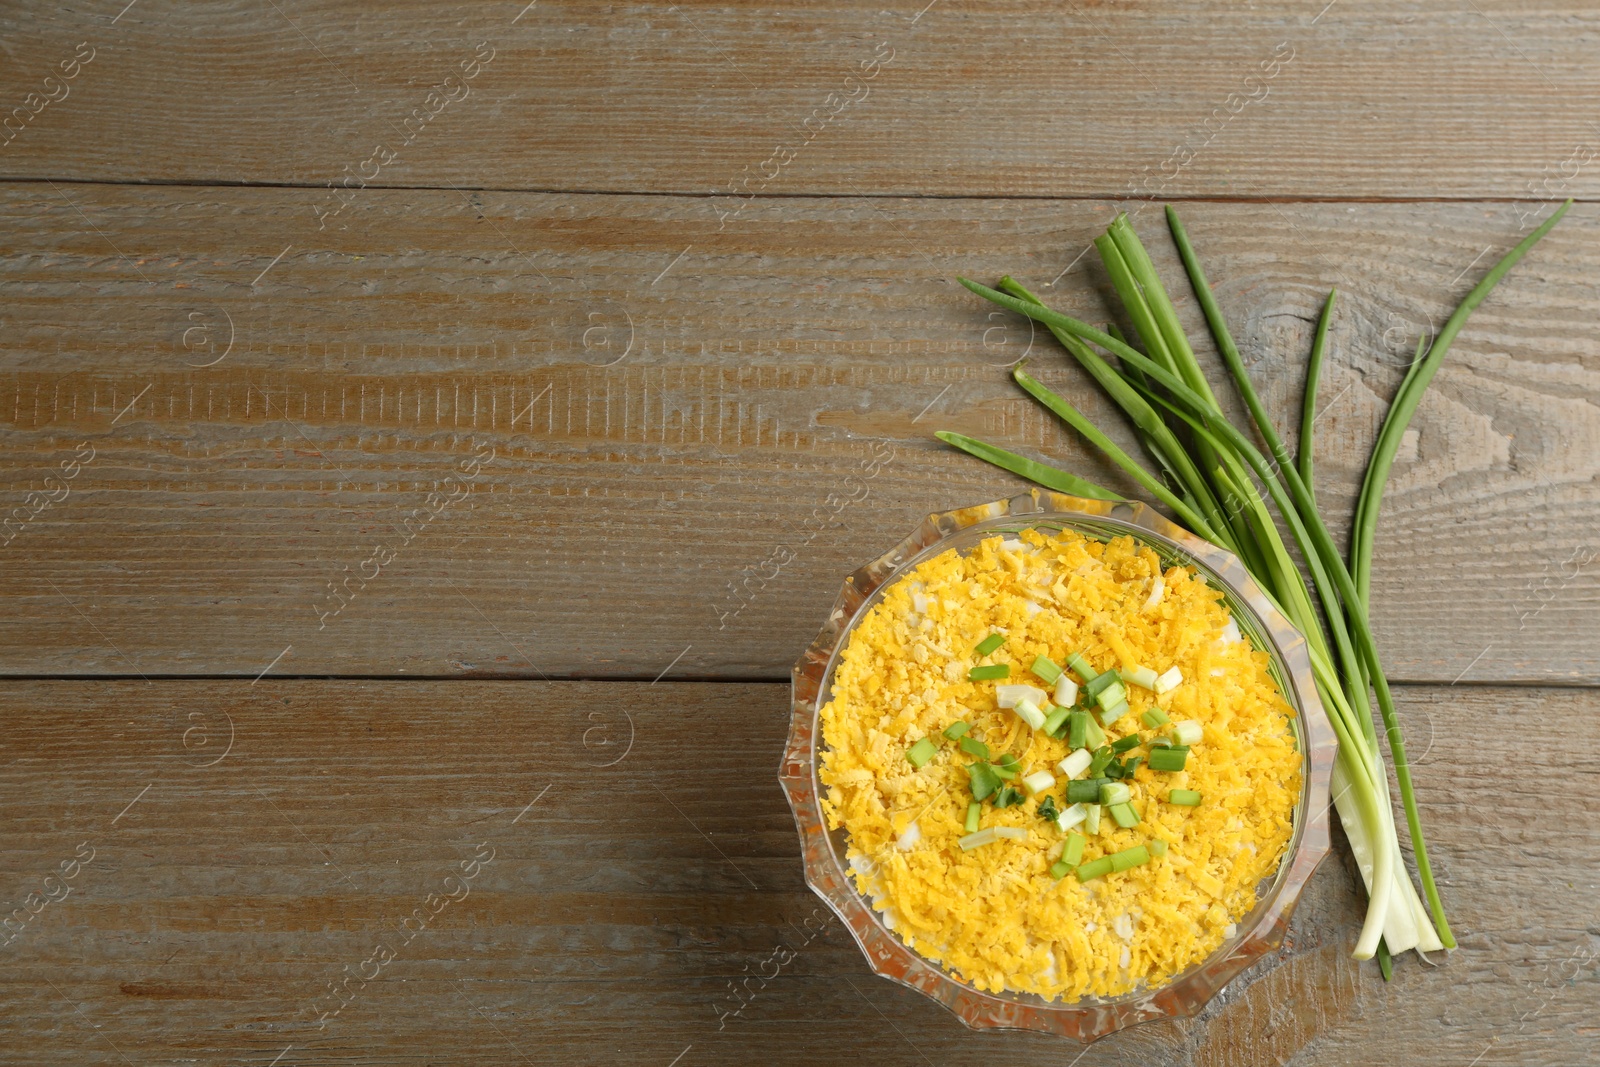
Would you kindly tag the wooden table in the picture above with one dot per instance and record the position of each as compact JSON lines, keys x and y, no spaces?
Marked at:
{"x":406,"y":404}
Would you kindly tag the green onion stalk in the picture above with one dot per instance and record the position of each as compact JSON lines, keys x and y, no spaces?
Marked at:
{"x":1217,"y":482}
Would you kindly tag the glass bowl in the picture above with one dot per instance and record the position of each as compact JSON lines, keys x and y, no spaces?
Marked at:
{"x":824,"y":851}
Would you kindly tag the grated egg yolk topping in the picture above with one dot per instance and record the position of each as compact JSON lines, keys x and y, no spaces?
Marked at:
{"x":995,"y":916}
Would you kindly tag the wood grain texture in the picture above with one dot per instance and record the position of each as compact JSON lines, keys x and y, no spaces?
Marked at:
{"x":664,"y":413}
{"x":558,"y":340}
{"x":1188,"y":99}
{"x":230,"y":883}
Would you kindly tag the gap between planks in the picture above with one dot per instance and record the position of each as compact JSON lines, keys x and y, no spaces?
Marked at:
{"x":1087,"y":197}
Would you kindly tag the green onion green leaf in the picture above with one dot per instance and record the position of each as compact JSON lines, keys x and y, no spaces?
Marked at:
{"x":1093,"y":869}
{"x":983,"y":780}
{"x":1072,"y":851}
{"x":1046,"y":669}
{"x":1168,"y":759}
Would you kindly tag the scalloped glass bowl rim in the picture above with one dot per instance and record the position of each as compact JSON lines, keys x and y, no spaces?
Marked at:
{"x":823,"y":851}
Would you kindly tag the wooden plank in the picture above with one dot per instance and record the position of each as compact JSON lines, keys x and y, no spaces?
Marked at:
{"x":664,"y":414}
{"x":252,"y":843}
{"x":1189,"y":99}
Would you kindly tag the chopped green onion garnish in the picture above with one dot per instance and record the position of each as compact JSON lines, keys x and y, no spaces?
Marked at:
{"x":1055,"y":720}
{"x":989,"y":644}
{"x":1077,"y":729}
{"x":1091,"y":818}
{"x":1124,"y":814}
{"x":1102,"y":759}
{"x":1112,"y":695}
{"x":1154,"y":718}
{"x":1085,"y":789}
{"x":984,"y":780}
{"x":1122,"y":744}
{"x":1115,"y":712}
{"x":1093,"y":869}
{"x":1004,"y":772}
{"x":1143,"y":677}
{"x":1074,"y":815}
{"x":1047,"y":809}
{"x":957,"y":730}
{"x":1158,"y":847}
{"x":1066,"y":690}
{"x":1185,"y":798}
{"x":1073,"y":852}
{"x":977,"y":839}
{"x":1114,"y":793}
{"x":1130,"y":765}
{"x":922,"y":752}
{"x":1059,"y":869}
{"x":974,"y":812}
{"x":1029,"y":713}
{"x":1045,"y":668}
{"x":1081,"y":665}
{"x":1007,"y":797}
{"x":1169,"y":680}
{"x":1008,"y":761}
{"x":1093,"y":736}
{"x":990,"y":673}
{"x":1076,"y":763}
{"x":1014,"y":833}
{"x":1187,"y":732}
{"x":1168,"y":759}
{"x":1038,"y":781}
{"x":1008,"y":694}
{"x":1101,"y":682}
{"x":1129,"y":857}
{"x":1114,"y":769}
{"x":973,"y":747}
